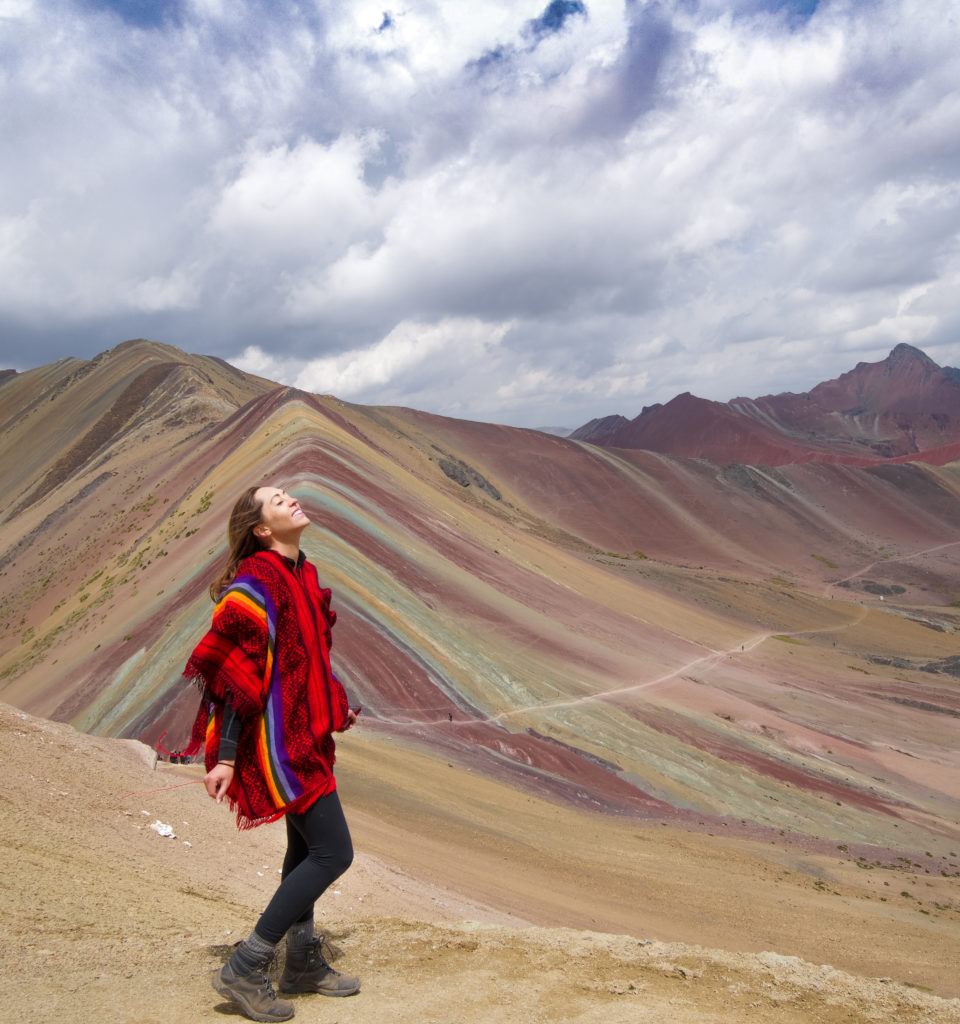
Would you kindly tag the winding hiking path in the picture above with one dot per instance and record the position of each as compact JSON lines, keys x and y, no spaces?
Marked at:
{"x":706,"y":662}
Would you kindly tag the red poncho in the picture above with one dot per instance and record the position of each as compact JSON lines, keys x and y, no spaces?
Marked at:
{"x":268,"y":648}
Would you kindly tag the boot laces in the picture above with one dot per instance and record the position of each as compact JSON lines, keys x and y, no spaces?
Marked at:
{"x":315,"y":957}
{"x":265,"y":986}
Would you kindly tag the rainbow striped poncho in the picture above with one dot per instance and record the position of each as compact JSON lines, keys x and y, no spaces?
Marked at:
{"x":268,"y":651}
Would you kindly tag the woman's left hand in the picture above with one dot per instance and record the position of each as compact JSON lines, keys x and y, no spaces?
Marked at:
{"x":218,"y":780}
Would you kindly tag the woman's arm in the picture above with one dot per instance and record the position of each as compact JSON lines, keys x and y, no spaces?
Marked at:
{"x":229,"y":732}
{"x":218,"y":779}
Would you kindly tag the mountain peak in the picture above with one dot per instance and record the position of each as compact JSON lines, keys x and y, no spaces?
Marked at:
{"x":904,"y":354}
{"x":898,"y":406}
{"x":599,"y":430}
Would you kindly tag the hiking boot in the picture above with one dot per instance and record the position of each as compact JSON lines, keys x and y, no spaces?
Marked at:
{"x":307,"y":971}
{"x":252,"y":994}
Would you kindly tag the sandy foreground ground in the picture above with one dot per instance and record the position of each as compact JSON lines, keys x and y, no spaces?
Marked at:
{"x":104,"y":919}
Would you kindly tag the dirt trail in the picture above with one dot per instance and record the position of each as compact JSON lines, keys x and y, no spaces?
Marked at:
{"x":107,"y":921}
{"x":702,"y":664}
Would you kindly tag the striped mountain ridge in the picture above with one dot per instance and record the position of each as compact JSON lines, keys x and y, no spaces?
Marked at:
{"x":61,"y":418}
{"x":620,"y":630}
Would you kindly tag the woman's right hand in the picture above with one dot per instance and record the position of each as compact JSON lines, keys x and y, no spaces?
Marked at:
{"x":218,"y":780}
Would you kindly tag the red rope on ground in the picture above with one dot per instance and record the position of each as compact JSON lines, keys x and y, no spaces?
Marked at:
{"x":162,"y":789}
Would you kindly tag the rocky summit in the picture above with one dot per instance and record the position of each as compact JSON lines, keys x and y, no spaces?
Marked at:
{"x":903,"y":408}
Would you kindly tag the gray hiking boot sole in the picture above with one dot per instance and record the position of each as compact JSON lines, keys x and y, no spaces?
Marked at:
{"x":345,"y":986}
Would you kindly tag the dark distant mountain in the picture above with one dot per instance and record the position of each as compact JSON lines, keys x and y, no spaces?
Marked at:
{"x":899,"y":408}
{"x":599,"y":430}
{"x":699,"y":429}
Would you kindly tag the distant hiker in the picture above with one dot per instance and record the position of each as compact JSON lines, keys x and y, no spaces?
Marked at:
{"x":450,"y":716}
{"x":270,"y":706}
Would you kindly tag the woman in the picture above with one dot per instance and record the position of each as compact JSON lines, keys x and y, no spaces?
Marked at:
{"x":271,"y":703}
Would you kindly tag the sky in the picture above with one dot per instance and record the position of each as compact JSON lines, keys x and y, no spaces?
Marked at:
{"x":523,"y":212}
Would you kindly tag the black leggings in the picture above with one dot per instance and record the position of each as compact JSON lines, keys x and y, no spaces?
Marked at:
{"x":319,"y":850}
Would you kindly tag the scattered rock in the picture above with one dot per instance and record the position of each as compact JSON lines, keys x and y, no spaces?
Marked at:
{"x":937,"y":627}
{"x":887,"y":590}
{"x":949,"y":666}
{"x":872,"y":587}
{"x":458,"y":471}
{"x":876,"y":659}
{"x":920,"y":705}
{"x":779,"y":960}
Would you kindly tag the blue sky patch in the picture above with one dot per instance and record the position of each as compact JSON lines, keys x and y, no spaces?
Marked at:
{"x":141,"y":13}
{"x":554,"y":17}
{"x":798,"y":11}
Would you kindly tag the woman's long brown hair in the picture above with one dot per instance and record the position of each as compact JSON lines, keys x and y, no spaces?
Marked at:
{"x":245,"y":516}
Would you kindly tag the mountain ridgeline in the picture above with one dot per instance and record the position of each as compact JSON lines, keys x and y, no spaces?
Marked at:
{"x":904,"y":407}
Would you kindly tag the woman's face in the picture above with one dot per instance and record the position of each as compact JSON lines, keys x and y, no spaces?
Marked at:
{"x":281,"y":517}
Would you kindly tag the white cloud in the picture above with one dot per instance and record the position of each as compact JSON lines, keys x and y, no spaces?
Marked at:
{"x":15,"y":8}
{"x":177,"y":290}
{"x":364,"y":372}
{"x":305,"y":202}
{"x":405,"y":348}
{"x":537,"y":384}
{"x":253,"y":359}
{"x":658,"y":198}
